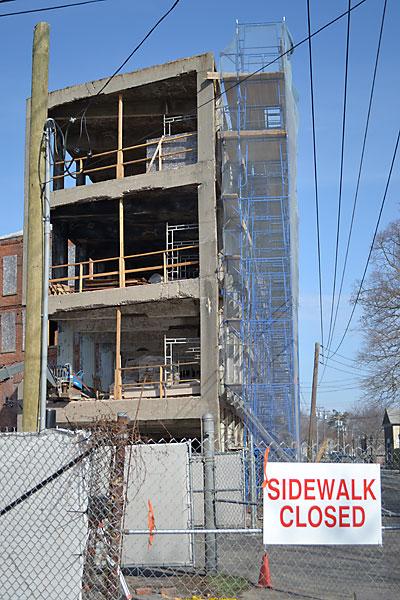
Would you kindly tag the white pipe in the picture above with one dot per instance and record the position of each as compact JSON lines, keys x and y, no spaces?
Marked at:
{"x":187,"y":531}
{"x":45,"y":291}
{"x":204,"y":531}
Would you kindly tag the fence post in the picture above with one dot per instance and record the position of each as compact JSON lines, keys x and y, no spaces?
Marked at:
{"x":117,"y":507}
{"x":209,"y":492}
{"x":252,"y":482}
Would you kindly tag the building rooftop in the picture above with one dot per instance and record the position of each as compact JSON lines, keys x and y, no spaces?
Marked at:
{"x":392,"y":416}
{"x":8,"y":236}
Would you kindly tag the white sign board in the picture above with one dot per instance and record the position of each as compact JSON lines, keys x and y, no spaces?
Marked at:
{"x":322,"y":503}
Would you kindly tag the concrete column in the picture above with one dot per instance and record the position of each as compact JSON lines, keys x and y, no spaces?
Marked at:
{"x":208,"y":241}
{"x":59,"y":251}
{"x":65,"y":348}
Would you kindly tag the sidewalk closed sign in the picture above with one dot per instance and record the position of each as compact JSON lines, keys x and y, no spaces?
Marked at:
{"x":322,"y":503}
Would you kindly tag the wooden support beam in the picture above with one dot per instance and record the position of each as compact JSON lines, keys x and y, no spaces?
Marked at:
{"x":81,"y":277}
{"x":165,"y":267}
{"x":91,"y":270}
{"x":120,"y":153}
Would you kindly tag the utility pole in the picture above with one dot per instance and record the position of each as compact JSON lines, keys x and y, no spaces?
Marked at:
{"x":313,"y":402}
{"x":36,"y":176}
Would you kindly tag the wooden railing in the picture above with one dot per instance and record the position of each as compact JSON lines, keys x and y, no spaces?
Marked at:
{"x":163,"y":377}
{"x":157,"y":158}
{"x":86,"y":278}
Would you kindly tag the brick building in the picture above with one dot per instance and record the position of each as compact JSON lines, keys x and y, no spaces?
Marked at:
{"x":11,"y":326}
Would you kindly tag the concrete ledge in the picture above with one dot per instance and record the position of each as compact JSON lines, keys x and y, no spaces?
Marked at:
{"x":153,"y":292}
{"x":113,"y":189}
{"x":153,"y":409}
{"x":133,"y":79}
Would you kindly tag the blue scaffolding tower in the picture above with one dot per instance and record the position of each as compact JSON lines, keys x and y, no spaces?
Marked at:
{"x":258,"y":132}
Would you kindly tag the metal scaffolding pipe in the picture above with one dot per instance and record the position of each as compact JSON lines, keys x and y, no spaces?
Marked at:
{"x":209,"y":492}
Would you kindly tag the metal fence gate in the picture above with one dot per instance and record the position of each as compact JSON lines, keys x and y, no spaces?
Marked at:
{"x":98,"y":514}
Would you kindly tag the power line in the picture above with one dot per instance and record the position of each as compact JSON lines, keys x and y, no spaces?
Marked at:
{"x":339,"y":211}
{"x":329,"y":366}
{"x":127,"y":59}
{"x":367,"y":372}
{"x":290,"y":51}
{"x":46,"y":8}
{"x":338,"y":390}
{"x":334,"y":382}
{"x":360,"y":166}
{"x":315,"y":171}
{"x":372,"y":244}
{"x":340,"y":355}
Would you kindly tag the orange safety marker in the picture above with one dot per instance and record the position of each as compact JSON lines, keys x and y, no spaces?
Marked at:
{"x":264,"y":483}
{"x":151,"y":523}
{"x":264,"y":580}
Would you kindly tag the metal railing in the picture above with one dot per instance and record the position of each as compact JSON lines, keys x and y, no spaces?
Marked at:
{"x":90,"y":274}
{"x":161,"y":377}
{"x":86,"y":165}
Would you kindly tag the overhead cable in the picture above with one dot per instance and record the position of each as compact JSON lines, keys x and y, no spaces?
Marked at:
{"x":315,"y":171}
{"x":371,"y":247}
{"x":46,"y":8}
{"x":339,"y":209}
{"x":127,"y":59}
{"x":360,"y":167}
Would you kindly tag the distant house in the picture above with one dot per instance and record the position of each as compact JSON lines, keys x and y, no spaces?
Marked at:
{"x":12,"y":322}
{"x":391,"y":426}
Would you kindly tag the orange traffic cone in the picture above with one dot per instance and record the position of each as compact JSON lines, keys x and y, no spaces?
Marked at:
{"x":264,"y":580}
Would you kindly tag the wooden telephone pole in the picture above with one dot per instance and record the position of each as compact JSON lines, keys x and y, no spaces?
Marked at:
{"x":311,"y":425}
{"x":36,"y":176}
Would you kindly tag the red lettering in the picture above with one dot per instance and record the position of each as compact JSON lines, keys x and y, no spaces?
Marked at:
{"x":275,"y":490}
{"x":362,"y":521}
{"x":367,"y":489}
{"x":353,"y":491}
{"x":330,"y":514}
{"x":292,"y":495}
{"x":308,"y":488}
{"x":344,"y":513}
{"x":324,"y":489}
{"x":343,"y":491}
{"x":298,"y":523}
{"x":319,"y":512}
{"x":287,"y":523}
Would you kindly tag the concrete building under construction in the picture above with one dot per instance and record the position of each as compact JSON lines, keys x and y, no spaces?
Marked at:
{"x":173,"y":286}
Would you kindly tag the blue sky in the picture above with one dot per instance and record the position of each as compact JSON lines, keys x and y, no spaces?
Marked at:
{"x":89,"y":42}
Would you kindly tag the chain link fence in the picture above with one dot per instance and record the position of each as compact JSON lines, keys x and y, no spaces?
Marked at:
{"x":102,"y":514}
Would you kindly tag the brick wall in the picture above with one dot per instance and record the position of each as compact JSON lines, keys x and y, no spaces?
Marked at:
{"x":11,"y":337}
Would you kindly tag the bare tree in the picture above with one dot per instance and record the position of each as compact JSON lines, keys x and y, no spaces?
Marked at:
{"x":380,"y":321}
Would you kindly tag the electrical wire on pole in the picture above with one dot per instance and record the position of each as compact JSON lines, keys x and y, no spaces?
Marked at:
{"x":47,"y":8}
{"x":339,"y":210}
{"x":315,"y":171}
{"x":372,"y":245}
{"x":360,"y":167}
